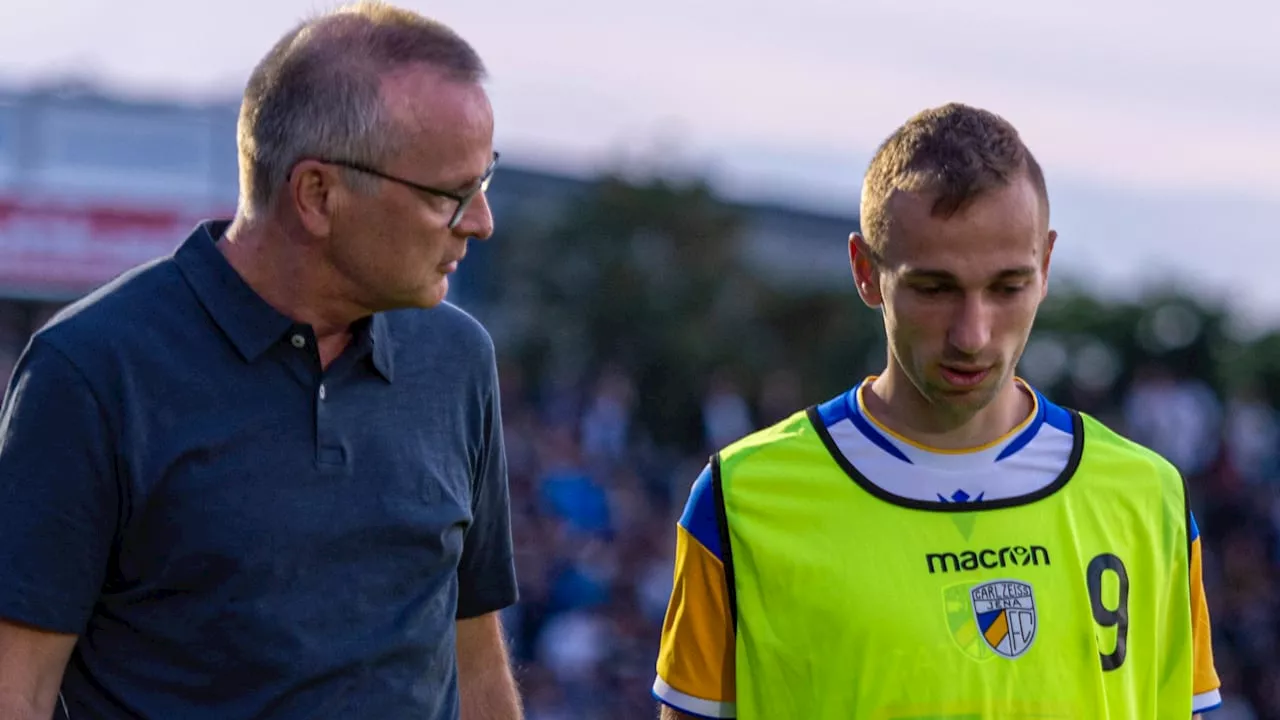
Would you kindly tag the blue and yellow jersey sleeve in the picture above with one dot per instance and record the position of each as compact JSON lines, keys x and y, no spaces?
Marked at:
{"x":696,"y":655}
{"x":1206,"y":684}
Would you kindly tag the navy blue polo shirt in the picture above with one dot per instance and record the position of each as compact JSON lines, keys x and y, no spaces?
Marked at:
{"x":234,"y":532}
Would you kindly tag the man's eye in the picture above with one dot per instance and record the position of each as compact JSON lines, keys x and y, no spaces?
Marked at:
{"x":1010,"y":289}
{"x":930,"y":289}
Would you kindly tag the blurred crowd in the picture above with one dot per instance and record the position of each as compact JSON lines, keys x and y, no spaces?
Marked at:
{"x":595,"y":501}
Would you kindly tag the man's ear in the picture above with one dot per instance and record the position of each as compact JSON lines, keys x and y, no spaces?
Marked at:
{"x":1044,"y":265}
{"x":866,"y":273}
{"x":311,"y":190}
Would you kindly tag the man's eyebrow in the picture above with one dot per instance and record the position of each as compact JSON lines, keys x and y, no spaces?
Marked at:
{"x":1014,"y":273}
{"x":928,"y":274}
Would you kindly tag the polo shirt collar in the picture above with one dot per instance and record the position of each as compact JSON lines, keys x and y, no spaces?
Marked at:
{"x":383,"y":352}
{"x":249,"y":322}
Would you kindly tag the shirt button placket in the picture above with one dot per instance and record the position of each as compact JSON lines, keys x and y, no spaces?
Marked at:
{"x":329,"y":446}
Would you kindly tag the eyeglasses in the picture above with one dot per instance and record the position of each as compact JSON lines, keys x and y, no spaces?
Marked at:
{"x":463,"y":198}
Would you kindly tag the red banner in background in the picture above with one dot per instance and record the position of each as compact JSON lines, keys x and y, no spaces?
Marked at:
{"x":58,"y":249}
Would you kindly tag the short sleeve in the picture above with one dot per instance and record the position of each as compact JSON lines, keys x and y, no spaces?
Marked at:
{"x":486,"y":572}
{"x":1207,"y":688}
{"x":59,"y":497}
{"x":695,"y":667}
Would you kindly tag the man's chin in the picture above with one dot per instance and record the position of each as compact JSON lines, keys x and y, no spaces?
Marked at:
{"x":433,"y":294}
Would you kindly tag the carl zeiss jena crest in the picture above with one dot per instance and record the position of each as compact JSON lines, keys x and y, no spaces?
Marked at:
{"x":1006,"y":614}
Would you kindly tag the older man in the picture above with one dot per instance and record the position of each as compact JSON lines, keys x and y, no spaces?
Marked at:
{"x":264,"y":477}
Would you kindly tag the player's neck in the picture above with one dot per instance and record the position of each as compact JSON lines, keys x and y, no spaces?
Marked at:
{"x":896,"y":404}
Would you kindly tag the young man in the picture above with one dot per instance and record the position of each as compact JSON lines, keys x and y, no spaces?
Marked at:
{"x":941,"y":541}
{"x":264,"y":477}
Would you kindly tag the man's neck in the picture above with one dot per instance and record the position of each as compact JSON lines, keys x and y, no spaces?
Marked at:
{"x":896,"y":403}
{"x":285,"y":274}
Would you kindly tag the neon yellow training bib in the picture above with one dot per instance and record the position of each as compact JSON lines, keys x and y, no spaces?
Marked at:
{"x":851,"y":603}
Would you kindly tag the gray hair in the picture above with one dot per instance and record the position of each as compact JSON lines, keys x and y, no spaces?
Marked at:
{"x":317,"y":93}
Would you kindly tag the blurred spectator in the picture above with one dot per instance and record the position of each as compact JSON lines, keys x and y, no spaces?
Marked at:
{"x":567,"y":490}
{"x":1178,"y":418}
{"x":780,"y":396}
{"x":607,"y":419}
{"x":1252,"y":436}
{"x":725,"y":413}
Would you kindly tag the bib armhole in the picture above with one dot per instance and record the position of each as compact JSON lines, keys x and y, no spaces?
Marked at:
{"x":726,"y":546}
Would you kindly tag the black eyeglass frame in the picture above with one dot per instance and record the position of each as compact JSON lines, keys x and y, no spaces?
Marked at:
{"x":464,"y":198}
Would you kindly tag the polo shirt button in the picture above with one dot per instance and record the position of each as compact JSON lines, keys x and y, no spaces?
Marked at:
{"x":298,"y":341}
{"x":322,"y":392}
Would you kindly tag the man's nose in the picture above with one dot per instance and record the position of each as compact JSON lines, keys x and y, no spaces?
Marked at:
{"x":971,"y":328}
{"x":477,"y":221}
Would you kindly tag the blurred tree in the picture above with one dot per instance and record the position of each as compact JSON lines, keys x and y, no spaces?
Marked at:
{"x":831,"y":340}
{"x":1256,"y":364}
{"x":1176,"y":331}
{"x":647,"y":276}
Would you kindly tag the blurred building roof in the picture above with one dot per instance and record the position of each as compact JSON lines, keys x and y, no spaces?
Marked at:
{"x":72,"y":142}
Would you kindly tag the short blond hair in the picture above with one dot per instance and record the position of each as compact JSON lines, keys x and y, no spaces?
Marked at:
{"x":954,"y":152}
{"x":317,"y":93}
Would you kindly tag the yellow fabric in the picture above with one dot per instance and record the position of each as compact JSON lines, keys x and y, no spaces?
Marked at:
{"x":1206,"y":675}
{"x":696,"y":654}
{"x":852,"y":606}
